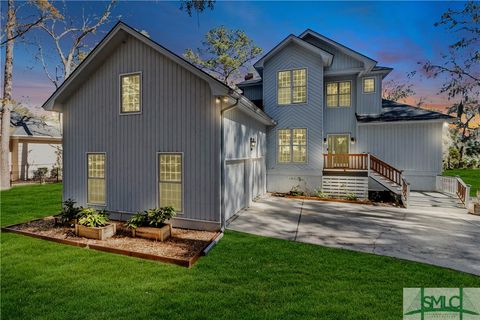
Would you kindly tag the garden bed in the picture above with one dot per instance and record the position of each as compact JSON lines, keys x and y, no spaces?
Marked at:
{"x":183,"y":248}
{"x":366,"y":201}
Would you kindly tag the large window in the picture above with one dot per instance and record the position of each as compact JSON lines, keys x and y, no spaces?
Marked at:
{"x":130,"y":87}
{"x":339,"y":94}
{"x":171,"y":180}
{"x":96,"y":178}
{"x":368,"y":85}
{"x":292,"y":145}
{"x":292,"y":86}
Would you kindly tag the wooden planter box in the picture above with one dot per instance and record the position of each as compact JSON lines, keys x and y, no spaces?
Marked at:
{"x":476,"y":209}
{"x":99,"y":233}
{"x":159,"y":234}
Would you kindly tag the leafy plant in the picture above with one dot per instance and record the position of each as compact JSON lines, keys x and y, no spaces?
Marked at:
{"x":321,"y":194}
{"x":297,"y":189}
{"x":69,"y":211}
{"x":152,"y":217}
{"x":351,"y":196}
{"x":93,"y":218}
{"x":40,"y":174}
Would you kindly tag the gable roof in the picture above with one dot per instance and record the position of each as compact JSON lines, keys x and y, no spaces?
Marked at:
{"x":326,"y":57}
{"x":394,"y":111}
{"x":115,"y":37}
{"x":368,"y":62}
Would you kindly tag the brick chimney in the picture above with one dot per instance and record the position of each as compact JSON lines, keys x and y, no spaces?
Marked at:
{"x":249,"y":76}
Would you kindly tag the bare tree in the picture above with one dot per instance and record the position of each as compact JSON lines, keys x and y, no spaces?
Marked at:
{"x":397,"y":90}
{"x":461,"y":70}
{"x":15,"y":28}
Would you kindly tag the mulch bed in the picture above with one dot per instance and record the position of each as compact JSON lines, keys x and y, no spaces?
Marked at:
{"x":183,"y":248}
{"x":368,"y":202}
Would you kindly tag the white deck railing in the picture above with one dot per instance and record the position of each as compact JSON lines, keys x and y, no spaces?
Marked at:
{"x":454,"y":186}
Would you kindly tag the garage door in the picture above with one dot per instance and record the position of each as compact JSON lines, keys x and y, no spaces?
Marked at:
{"x":234,"y":187}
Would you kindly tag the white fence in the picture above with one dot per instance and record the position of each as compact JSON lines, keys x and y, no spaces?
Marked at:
{"x":342,"y":186}
{"x":454,"y":186}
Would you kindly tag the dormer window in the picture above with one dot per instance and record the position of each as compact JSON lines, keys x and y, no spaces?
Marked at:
{"x":131,"y":93}
{"x":339,"y":94}
{"x":368,"y":85}
{"x":292,"y":86}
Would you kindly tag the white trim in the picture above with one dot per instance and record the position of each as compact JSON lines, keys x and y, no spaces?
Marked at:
{"x":374,"y":85}
{"x":86,"y":180}
{"x":159,"y":153}
{"x":291,"y":87}
{"x":120,"y":93}
{"x":338,"y":94}
{"x":402,"y":122}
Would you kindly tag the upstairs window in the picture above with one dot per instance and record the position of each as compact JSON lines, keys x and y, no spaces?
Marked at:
{"x":130,"y":92}
{"x":292,"y":86}
{"x":339,"y":94}
{"x":292,"y":145}
{"x":368,"y":85}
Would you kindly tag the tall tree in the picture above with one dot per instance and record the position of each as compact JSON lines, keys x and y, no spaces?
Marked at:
{"x":460,"y":69}
{"x":225,"y":53}
{"x":15,"y":28}
{"x":397,"y":90}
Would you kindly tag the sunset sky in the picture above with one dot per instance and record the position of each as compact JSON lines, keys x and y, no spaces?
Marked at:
{"x":396,"y":34}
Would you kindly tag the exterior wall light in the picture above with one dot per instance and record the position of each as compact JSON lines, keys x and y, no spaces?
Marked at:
{"x":217,"y":100}
{"x":324,"y":140}
{"x":352,"y":140}
{"x":253,"y":143}
{"x":225,"y":99}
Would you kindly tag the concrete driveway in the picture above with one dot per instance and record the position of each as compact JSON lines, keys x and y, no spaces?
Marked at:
{"x":447,"y":239}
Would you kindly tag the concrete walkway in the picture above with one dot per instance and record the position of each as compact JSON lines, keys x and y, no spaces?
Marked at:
{"x":447,"y":239}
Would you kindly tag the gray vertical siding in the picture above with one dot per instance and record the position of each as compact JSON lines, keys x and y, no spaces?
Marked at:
{"x":342,"y":120}
{"x":253,"y":92}
{"x":369,"y":103}
{"x":415,"y":147}
{"x":178,"y":115}
{"x":341,"y":61}
{"x":308,"y":115}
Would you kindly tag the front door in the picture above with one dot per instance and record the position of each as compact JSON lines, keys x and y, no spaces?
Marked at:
{"x":338,"y":147}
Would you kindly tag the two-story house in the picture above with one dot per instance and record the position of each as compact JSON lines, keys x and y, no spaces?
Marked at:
{"x":144,"y":128}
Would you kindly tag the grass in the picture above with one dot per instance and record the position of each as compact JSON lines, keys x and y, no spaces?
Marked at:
{"x":469,"y":176}
{"x":243,"y":277}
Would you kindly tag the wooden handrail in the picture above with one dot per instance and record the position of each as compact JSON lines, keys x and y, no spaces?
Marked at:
{"x":461,"y":191}
{"x":385,"y":170}
{"x":405,"y":192}
{"x":346,"y":161}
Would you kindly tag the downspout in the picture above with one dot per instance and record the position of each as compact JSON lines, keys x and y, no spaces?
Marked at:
{"x":222,"y":152}
{"x":222,"y":177}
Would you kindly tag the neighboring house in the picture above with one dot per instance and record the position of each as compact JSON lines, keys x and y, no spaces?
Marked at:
{"x":144,"y":128}
{"x":33,"y":144}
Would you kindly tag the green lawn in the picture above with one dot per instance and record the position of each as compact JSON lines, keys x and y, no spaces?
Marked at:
{"x":469,"y":176}
{"x":246,"y":277}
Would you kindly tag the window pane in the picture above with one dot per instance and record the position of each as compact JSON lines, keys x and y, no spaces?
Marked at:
{"x":369,"y":85}
{"x":96,"y":191}
{"x":283,"y":137}
{"x":284,"y":95}
{"x":171,"y":195}
{"x":299,"y":154}
{"x":299,"y":77}
{"x":170,"y":185}
{"x":332,"y":101}
{"x":96,"y":166}
{"x":344,"y":100}
{"x":284,"y":153}
{"x":332,"y":88}
{"x":284,"y":79}
{"x":299,"y":136}
{"x":131,"y":93}
{"x":299,"y":94}
{"x":345,"y":87}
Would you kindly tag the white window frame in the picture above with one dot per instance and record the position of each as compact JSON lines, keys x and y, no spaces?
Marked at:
{"x":338,"y":94}
{"x":183,"y":177}
{"x":120,"y":76}
{"x":374,"y":85}
{"x":291,"y":87}
{"x":93,"y":204}
{"x":291,"y":147}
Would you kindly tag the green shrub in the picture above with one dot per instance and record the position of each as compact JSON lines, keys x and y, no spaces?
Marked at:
{"x":40,"y":174}
{"x":321,"y":194}
{"x":151,"y":217}
{"x":93,"y":218}
{"x":69,"y":211}
{"x":351,"y":196}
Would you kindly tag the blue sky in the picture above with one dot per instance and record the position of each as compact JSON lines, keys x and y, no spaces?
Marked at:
{"x":396,"y":34}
